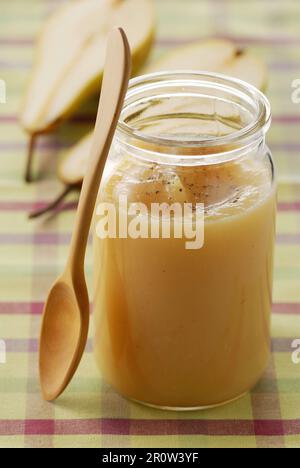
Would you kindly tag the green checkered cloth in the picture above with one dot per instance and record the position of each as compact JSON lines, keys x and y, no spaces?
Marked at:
{"x":90,"y":413}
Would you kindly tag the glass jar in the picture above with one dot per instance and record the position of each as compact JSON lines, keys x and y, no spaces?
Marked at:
{"x":180,"y":327}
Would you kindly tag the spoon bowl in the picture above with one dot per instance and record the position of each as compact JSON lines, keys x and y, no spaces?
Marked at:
{"x":63,"y":336}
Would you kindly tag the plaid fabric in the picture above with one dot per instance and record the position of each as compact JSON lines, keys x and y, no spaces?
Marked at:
{"x":91,"y":414}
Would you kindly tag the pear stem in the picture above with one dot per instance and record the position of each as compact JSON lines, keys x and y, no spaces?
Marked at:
{"x":36,"y":214}
{"x":31,"y":147}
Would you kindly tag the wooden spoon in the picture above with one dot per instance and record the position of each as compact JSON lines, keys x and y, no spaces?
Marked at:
{"x":66,"y":313}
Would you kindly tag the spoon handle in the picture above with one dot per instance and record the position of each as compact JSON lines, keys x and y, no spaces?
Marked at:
{"x":114,"y":86}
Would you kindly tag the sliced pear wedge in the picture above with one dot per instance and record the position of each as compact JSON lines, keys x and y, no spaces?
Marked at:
{"x":71,"y":171}
{"x":70,"y":57}
{"x":71,"y":52}
{"x":214,"y":55}
{"x":246,"y":66}
{"x":73,"y":165}
{"x":209,"y":55}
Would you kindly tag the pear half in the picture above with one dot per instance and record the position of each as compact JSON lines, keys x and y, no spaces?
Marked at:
{"x":72,"y":167}
{"x":246,"y":66}
{"x":208,"y":54}
{"x":71,"y":53}
{"x":214,"y":55}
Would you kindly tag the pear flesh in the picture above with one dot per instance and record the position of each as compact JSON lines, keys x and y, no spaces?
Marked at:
{"x":72,"y":168}
{"x":71,"y":54}
{"x":207,"y":55}
{"x":210,"y":55}
{"x":247,"y":67}
{"x":214,"y":55}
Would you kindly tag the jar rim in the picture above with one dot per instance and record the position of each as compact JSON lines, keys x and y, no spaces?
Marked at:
{"x":252,"y":132}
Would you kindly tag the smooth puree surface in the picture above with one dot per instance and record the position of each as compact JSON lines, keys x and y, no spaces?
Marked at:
{"x":188,"y":328}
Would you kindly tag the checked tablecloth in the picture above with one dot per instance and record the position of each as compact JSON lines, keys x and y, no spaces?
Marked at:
{"x":91,"y":414}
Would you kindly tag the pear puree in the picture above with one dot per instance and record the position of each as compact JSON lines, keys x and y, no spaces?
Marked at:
{"x":188,"y":328}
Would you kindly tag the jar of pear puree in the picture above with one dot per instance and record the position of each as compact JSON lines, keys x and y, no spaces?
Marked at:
{"x":175,"y":327}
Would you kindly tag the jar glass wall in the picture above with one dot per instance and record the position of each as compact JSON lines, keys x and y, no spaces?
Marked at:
{"x":179,"y":327}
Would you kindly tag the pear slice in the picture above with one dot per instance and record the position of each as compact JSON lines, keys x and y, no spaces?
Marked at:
{"x":71,"y":172}
{"x":210,"y":55}
{"x":214,"y":55}
{"x":71,"y":53}
{"x":70,"y":57}
{"x":246,"y":66}
{"x":73,"y":165}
